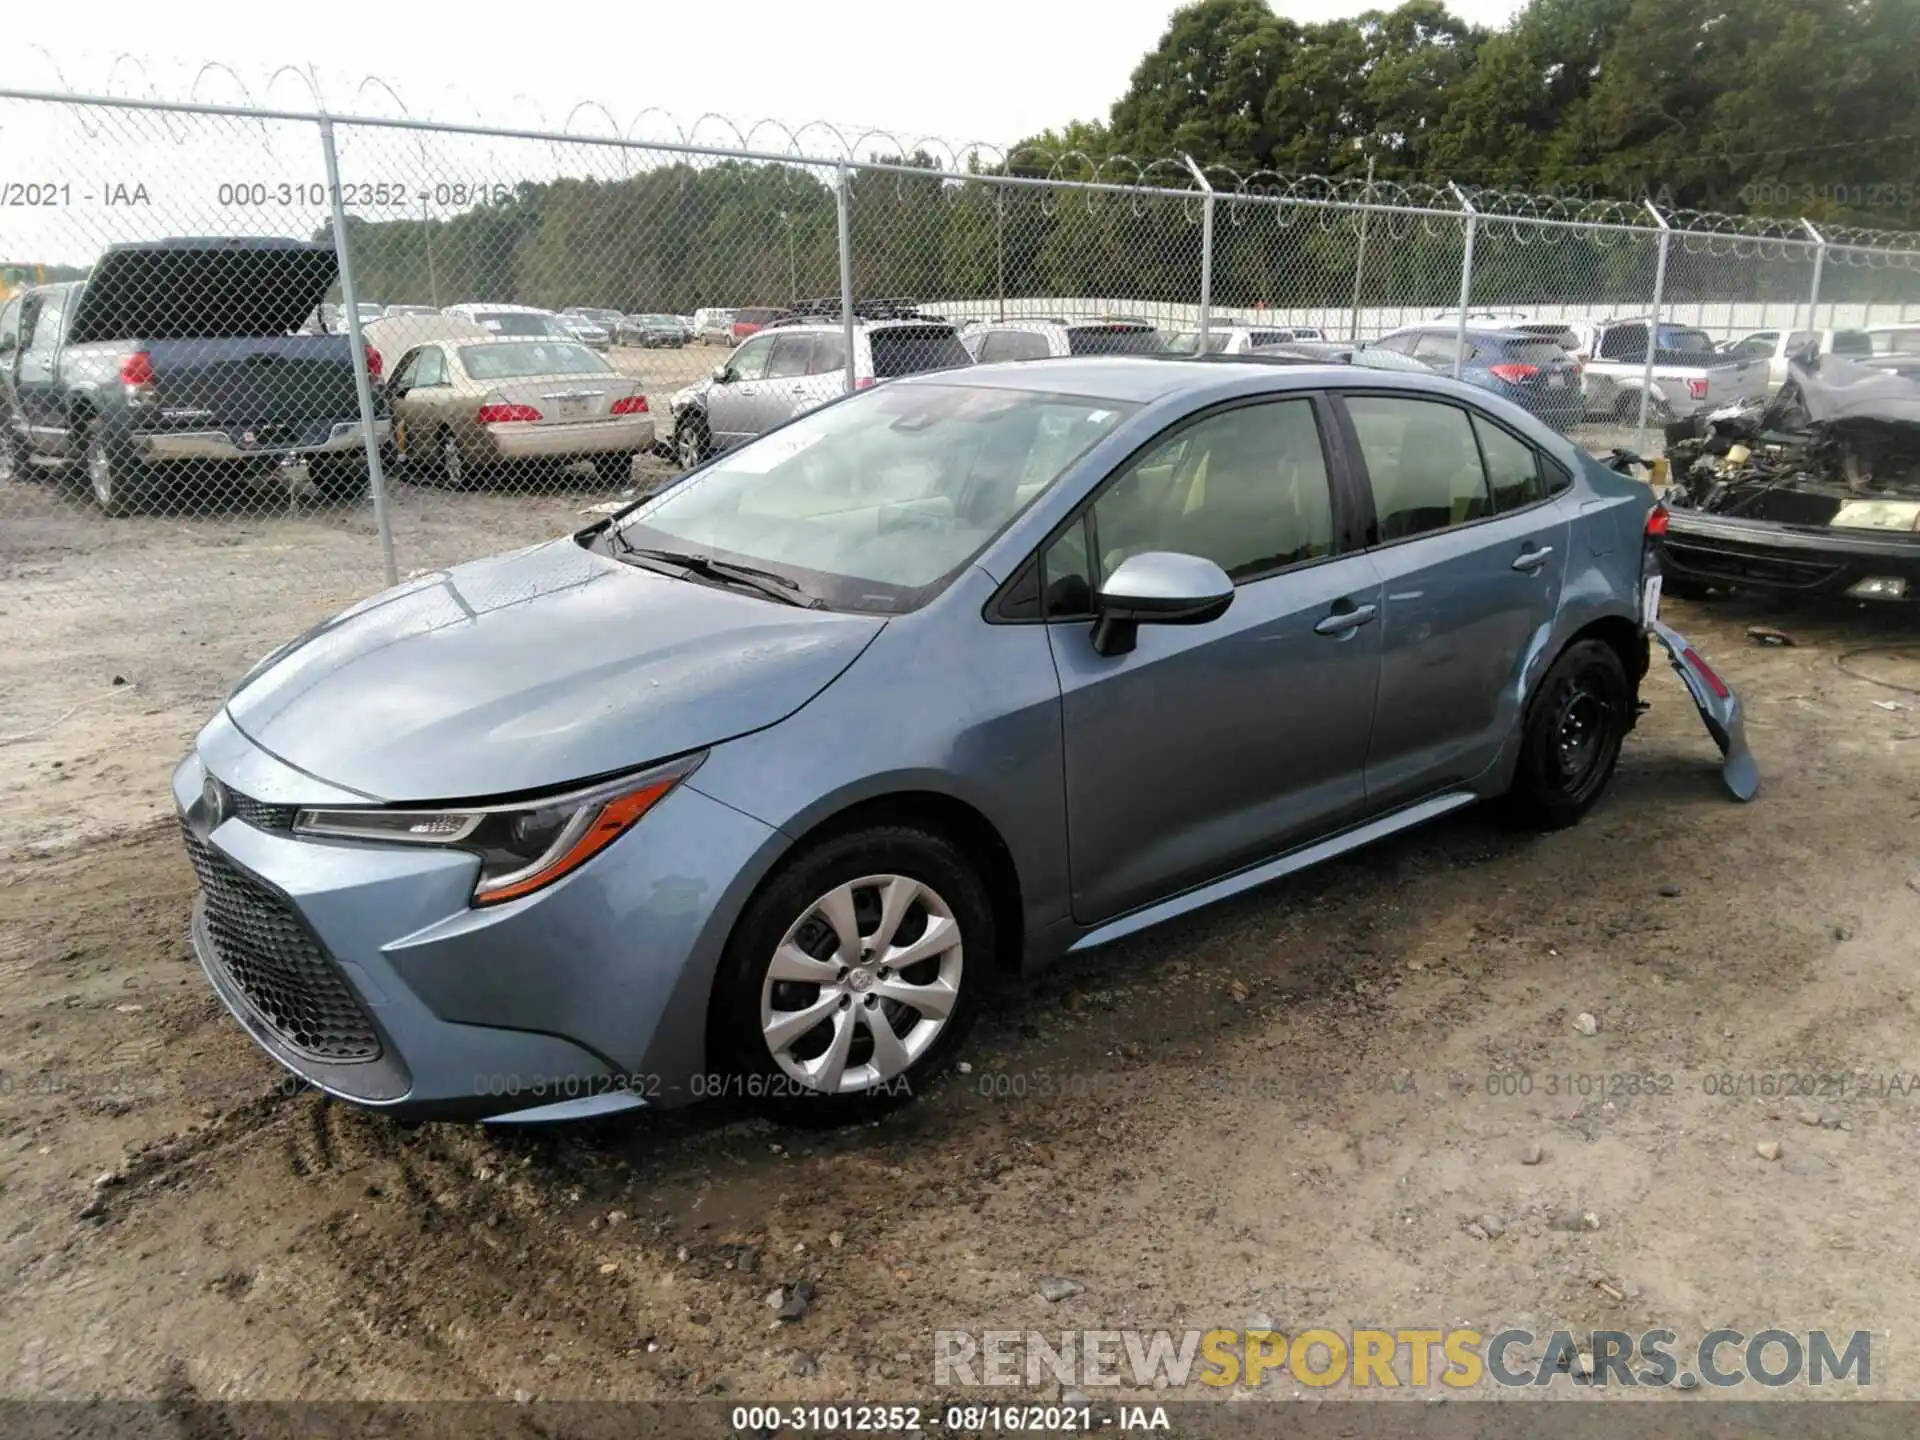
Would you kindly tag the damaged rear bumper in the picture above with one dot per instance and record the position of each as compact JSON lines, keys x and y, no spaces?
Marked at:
{"x":1719,"y":707}
{"x":1730,"y":550}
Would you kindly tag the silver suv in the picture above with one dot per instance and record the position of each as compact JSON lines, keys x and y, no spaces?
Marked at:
{"x":799,"y":362}
{"x":991,"y":341}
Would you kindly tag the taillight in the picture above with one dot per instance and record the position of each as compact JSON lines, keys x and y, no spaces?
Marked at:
{"x":632,"y":405}
{"x":376,"y":367}
{"x":1697,"y":389}
{"x":504,"y":414}
{"x":1658,"y":520}
{"x":1705,"y":672}
{"x":137,"y":369}
{"x":865,"y":382}
{"x":1513,"y":374}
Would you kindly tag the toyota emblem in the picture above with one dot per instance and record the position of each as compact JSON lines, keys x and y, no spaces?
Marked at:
{"x":213,"y":799}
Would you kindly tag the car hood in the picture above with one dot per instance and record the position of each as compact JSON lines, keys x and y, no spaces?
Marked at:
{"x":532,"y":670}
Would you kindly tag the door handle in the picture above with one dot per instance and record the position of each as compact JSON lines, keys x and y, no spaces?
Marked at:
{"x":1531,"y":560}
{"x":1345,"y":622}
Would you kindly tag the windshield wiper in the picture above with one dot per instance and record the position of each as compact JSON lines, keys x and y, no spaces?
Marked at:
{"x":766,"y":582}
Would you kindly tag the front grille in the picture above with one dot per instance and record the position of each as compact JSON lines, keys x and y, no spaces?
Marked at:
{"x":273,"y":959}
{"x":259,"y":814}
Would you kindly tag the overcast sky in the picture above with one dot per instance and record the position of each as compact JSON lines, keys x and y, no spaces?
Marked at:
{"x":982,"y":70}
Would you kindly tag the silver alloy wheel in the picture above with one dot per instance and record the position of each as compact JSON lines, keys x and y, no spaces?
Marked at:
{"x":862,"y":984}
{"x":688,"y":444}
{"x":100,"y":473}
{"x":452,"y":467}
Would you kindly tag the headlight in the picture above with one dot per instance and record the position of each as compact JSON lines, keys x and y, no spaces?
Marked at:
{"x":1878,"y":515}
{"x":522,"y":847}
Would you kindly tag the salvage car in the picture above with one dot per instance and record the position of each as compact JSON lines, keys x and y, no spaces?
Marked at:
{"x":758,"y":786}
{"x":1816,"y":492}
{"x":466,"y":409}
{"x":182,"y":364}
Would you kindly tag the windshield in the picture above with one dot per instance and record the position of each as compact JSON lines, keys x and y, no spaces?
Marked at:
{"x":1116,"y":340}
{"x":516,"y":359}
{"x":875,"y":502}
{"x":516,"y":322}
{"x":755,"y":317}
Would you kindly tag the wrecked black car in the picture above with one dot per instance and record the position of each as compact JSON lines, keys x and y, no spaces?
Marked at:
{"x":1814,"y":492}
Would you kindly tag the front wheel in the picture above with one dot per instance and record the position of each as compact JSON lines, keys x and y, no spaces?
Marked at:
{"x":853,"y":977}
{"x":1574,"y":727}
{"x":691,"y":442}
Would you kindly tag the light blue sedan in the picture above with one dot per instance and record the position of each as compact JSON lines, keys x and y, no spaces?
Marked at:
{"x":756,"y":787}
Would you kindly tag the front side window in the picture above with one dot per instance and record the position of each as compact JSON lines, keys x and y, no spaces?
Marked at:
{"x":46,"y":324}
{"x":1246,"y":488}
{"x":1422,"y":464}
{"x":789,"y":357}
{"x":431,"y":368}
{"x":875,"y":502}
{"x":10,"y":324}
{"x":749,"y":362}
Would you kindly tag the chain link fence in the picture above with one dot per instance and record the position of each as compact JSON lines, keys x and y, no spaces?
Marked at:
{"x":255,"y":364}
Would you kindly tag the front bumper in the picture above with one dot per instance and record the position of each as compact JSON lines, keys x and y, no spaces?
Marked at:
{"x":364,"y":970}
{"x":1732,"y":551}
{"x":343,"y":437}
{"x":546,"y":441}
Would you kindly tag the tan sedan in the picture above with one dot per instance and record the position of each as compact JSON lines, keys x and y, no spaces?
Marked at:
{"x":464,"y":407}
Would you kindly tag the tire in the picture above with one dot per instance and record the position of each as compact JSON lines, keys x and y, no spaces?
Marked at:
{"x":691,"y":442}
{"x":342,"y":480}
{"x":12,"y":462}
{"x":1626,"y":409}
{"x":450,"y":466}
{"x":1570,"y":743}
{"x":788,"y":927}
{"x":120,"y":485}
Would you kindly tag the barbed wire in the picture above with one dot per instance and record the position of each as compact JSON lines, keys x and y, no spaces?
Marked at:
{"x":1391,"y":207}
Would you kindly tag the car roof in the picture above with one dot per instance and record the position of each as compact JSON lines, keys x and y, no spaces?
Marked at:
{"x":1142,"y":379}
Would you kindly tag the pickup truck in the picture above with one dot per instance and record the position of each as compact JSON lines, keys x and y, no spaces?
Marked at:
{"x":1778,"y":349}
{"x":1688,"y":374}
{"x":176,"y":363}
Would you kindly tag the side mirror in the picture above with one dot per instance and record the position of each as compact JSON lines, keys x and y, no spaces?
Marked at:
{"x":722,"y":374}
{"x":1158,"y":587}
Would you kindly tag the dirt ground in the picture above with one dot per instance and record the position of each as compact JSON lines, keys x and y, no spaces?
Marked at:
{"x":1302,"y":1106}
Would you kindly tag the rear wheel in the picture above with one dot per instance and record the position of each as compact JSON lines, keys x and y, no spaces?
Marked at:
{"x":341,"y":479}
{"x":1626,"y":409}
{"x":1575,"y":724}
{"x":121,"y":485}
{"x":11,"y":460}
{"x":853,"y":977}
{"x":455,"y":472}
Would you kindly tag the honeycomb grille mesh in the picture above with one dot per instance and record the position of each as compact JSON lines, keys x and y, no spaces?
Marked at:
{"x":277,"y":964}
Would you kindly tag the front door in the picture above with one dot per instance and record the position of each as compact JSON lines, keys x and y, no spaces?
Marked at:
{"x":1209,"y":747}
{"x":733,"y":405}
{"x":1472,"y":549}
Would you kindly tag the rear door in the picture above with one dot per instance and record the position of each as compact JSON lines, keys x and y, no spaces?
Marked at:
{"x":731,"y":405}
{"x":1209,"y":747}
{"x":1470,"y":547}
{"x":41,"y":405}
{"x":10,"y":420}
{"x":792,"y":387}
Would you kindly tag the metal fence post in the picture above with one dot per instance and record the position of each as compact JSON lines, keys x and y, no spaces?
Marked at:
{"x":1653,"y":328}
{"x":1819,"y":264}
{"x":846,"y":268}
{"x":1206,"y":255}
{"x":362,"y":382}
{"x":1360,"y":259}
{"x":1466,"y":278}
{"x":1000,"y":245}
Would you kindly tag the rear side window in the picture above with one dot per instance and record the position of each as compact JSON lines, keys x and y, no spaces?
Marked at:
{"x":1896,"y":342}
{"x":1683,"y":341}
{"x":1533,"y":352}
{"x":1422,"y":464}
{"x":1513,"y":467}
{"x":1012,"y":345}
{"x":829,"y":353}
{"x":10,"y":324}
{"x":915,"y":349}
{"x":1852,"y":342}
{"x":755,"y":316}
{"x":1114,"y":340}
{"x":1436,"y":348}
